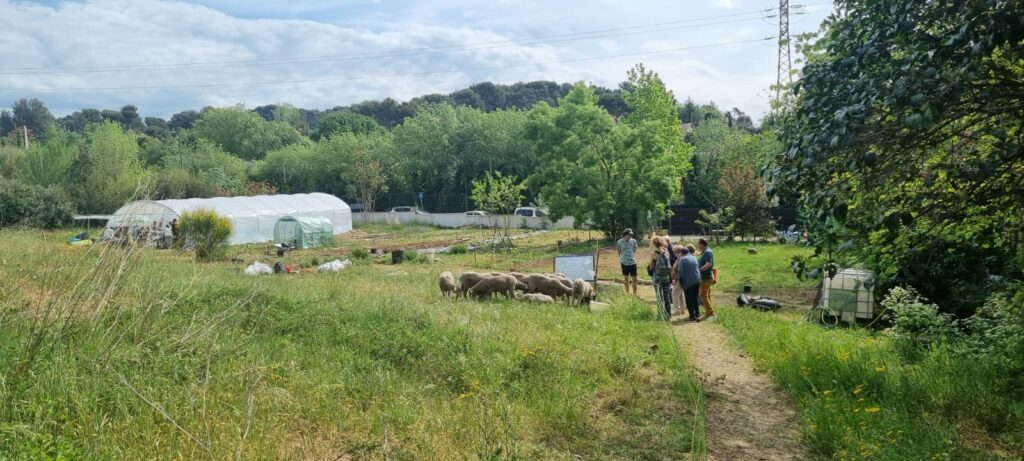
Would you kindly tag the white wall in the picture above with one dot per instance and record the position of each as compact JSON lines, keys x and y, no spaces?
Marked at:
{"x":454,"y":220}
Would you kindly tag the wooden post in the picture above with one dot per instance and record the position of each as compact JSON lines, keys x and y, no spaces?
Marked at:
{"x":597,"y":263}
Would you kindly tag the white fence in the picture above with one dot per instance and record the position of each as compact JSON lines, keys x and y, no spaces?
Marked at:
{"x":455,"y":220}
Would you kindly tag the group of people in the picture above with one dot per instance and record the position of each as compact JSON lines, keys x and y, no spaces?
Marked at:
{"x":682,"y":276}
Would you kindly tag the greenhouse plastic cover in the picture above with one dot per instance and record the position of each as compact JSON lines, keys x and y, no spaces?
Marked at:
{"x":253,"y":217}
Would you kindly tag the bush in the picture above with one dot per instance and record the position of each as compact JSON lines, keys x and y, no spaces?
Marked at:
{"x":916,"y":323}
{"x":31,"y":205}
{"x":459,"y":249}
{"x":207,"y":231}
{"x":412,"y":256}
{"x":360,"y":253}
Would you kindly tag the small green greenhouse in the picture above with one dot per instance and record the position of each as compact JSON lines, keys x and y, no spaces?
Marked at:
{"x":303,"y":231}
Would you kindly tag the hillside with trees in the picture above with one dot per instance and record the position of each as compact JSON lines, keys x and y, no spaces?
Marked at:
{"x":436,"y":144}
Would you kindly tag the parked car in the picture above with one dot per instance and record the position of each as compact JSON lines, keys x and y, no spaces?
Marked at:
{"x":408,"y":209}
{"x":530,"y":212}
{"x":476,"y":213}
{"x":356,"y":207}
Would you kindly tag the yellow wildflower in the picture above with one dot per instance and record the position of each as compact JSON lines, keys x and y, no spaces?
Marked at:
{"x":857,"y":390}
{"x":879,"y":369}
{"x":872,"y":410}
{"x":827,"y":392}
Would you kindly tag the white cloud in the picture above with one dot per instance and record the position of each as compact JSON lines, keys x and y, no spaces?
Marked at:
{"x":149,"y":33}
{"x":237,"y":47}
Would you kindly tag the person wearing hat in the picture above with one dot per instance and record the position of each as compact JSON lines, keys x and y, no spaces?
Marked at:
{"x":626,"y":247}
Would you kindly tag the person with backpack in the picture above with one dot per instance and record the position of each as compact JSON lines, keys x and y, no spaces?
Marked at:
{"x":660,"y":268}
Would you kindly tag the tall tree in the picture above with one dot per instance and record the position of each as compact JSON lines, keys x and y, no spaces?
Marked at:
{"x":906,"y":143}
{"x":46,"y":163}
{"x":243,"y":133}
{"x":336,"y":122}
{"x":32,"y":113}
{"x":111,"y":172}
{"x":590,"y":167}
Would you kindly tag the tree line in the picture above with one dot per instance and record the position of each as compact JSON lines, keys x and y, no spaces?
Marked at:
{"x":439,"y":144}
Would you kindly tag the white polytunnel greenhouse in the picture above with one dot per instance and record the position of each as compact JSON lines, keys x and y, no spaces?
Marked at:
{"x":253,"y":217}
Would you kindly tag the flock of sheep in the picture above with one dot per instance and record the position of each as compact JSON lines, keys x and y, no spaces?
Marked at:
{"x":538,"y":288}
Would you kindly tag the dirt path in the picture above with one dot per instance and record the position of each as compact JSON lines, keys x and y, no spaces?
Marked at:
{"x":746,"y":416}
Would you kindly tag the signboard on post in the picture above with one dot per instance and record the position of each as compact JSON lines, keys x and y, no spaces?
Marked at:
{"x":577,"y":267}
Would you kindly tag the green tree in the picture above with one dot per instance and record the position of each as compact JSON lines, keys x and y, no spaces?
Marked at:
{"x":742,"y":191}
{"x":499,"y":194}
{"x":905,"y":144}
{"x":336,"y":122}
{"x":33,"y":114}
{"x":110,"y":172}
{"x":199,"y":168}
{"x":612,"y":175}
{"x":46,"y":163}
{"x":366,"y":178}
{"x":243,"y":133}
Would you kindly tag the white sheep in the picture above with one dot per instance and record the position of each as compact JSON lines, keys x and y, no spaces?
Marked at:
{"x":582,"y":292}
{"x":447,"y":283}
{"x":504,"y":284}
{"x":540,"y":283}
{"x":535,"y":298}
{"x":467,"y":280}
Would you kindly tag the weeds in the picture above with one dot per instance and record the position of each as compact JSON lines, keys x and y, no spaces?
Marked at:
{"x":141,"y":354}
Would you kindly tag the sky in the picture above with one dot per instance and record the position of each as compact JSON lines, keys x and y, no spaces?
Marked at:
{"x":167,"y":56}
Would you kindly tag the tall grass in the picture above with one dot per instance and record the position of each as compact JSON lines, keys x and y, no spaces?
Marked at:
{"x":152,"y":356}
{"x":860,"y":400}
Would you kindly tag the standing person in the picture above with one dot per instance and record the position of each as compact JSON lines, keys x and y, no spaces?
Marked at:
{"x":707,"y":277}
{"x":689,"y":279}
{"x":678,"y":298}
{"x":661,"y":275}
{"x":626,"y":246}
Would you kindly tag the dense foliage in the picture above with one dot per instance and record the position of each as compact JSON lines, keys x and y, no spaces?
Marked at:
{"x":614,"y":175}
{"x":377,"y":154}
{"x":32,"y":205}
{"x":905,"y":141}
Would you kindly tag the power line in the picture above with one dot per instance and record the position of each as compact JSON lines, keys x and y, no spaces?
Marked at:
{"x":393,"y":75}
{"x":531,"y":41}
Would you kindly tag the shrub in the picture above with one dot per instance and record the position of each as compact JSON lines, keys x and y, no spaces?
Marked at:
{"x":916,"y":323}
{"x":32,"y":205}
{"x":412,"y":256}
{"x":996,"y":333}
{"x":207,"y":231}
{"x":459,"y":249}
{"x":360,"y":253}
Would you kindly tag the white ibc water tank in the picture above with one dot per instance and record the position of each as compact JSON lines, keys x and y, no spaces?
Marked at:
{"x":849,"y":295}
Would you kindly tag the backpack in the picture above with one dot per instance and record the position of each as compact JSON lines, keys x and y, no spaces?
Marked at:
{"x":662,"y":266}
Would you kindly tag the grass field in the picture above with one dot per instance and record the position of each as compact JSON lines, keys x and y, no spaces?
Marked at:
{"x":146,"y":355}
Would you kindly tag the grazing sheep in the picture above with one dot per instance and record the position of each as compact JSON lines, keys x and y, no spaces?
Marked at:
{"x":447,"y":283}
{"x":535,"y":298}
{"x":539,"y":283}
{"x":504,"y":284}
{"x":582,"y":292}
{"x":751,"y":251}
{"x":520,"y":277}
{"x":561,"y":278}
{"x":467,"y":280}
